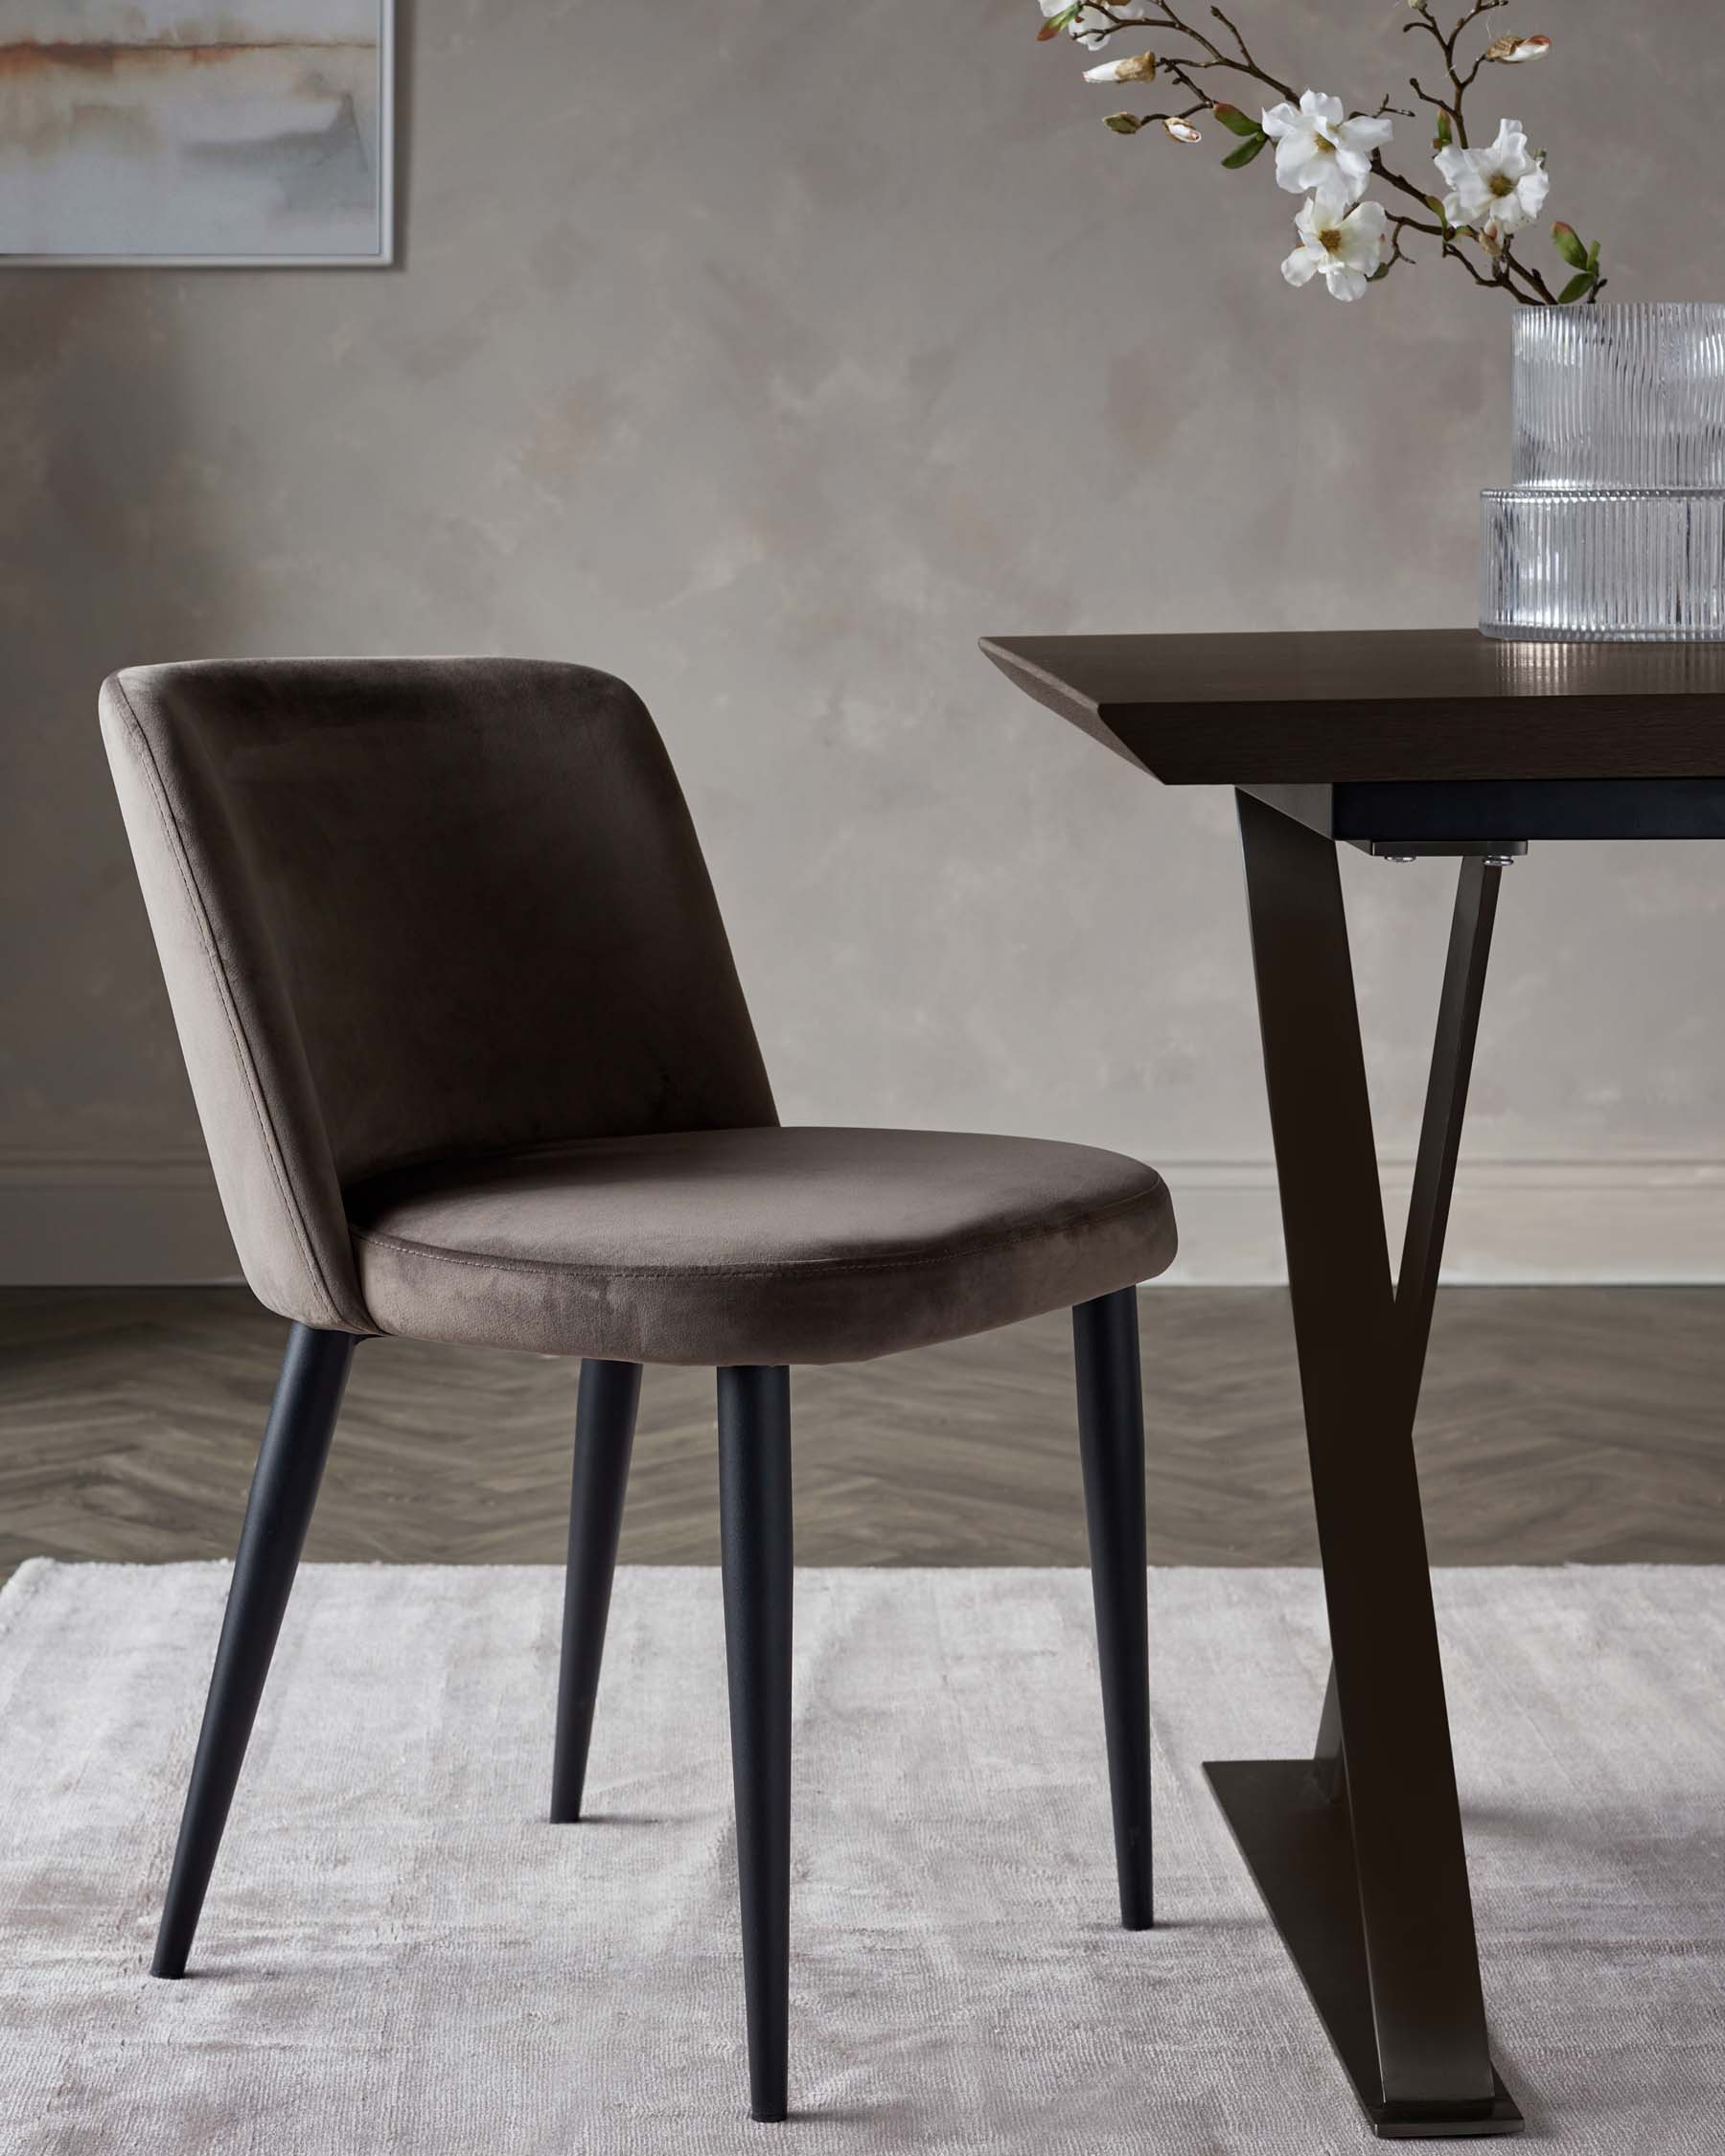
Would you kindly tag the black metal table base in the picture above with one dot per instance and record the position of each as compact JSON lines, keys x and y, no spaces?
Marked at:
{"x":1298,"y":1847}
{"x":1358,"y":1851}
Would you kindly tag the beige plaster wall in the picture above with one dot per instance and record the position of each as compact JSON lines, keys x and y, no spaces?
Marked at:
{"x":767,"y":355}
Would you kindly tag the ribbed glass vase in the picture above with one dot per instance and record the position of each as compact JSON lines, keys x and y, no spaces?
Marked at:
{"x":1613,"y":525}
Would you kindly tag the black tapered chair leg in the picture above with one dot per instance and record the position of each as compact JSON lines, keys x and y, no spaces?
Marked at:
{"x":754,"y":1520}
{"x":283,"y":1489}
{"x":604,"y":1420}
{"x":1110,"y":1440}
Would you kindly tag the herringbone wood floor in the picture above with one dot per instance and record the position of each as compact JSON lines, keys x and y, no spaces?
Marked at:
{"x":1558,"y":1424}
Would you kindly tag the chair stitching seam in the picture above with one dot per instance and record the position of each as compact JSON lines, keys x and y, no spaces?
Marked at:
{"x":995,"y":1245}
{"x":271,"y":1148}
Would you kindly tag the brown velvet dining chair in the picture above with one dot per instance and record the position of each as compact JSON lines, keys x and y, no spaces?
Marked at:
{"x":474,"y":1065}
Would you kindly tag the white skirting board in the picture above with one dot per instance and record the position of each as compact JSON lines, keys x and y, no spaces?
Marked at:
{"x":67,"y":1220}
{"x":1522,"y":1223}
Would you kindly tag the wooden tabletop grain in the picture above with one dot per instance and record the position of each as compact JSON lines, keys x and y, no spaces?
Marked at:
{"x":1330,"y":706}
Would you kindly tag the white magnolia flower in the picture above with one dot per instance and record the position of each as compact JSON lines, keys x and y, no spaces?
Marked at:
{"x":1343,"y":245}
{"x":1318,"y":147}
{"x":1089,"y":26}
{"x":1498,"y":190}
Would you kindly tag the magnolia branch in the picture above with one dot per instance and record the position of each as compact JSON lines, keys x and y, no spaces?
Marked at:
{"x":1487,"y":253}
{"x":1460,"y":83}
{"x":1165,"y":18}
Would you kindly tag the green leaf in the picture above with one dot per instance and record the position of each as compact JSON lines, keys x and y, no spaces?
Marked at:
{"x":1246,"y":153}
{"x":1593,"y":256}
{"x":1055,"y":24}
{"x":1445,"y":136}
{"x":1578,"y":288}
{"x":1236,"y":121}
{"x":1569,"y":246}
{"x":1123,"y":122}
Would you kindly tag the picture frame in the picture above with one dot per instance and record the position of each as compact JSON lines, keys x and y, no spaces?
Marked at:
{"x":219,"y":169}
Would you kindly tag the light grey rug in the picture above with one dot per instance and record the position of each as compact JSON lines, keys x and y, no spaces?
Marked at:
{"x":396,"y":1954}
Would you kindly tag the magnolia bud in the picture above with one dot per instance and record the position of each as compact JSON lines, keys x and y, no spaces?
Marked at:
{"x":1140,"y":68}
{"x":1123,"y":122}
{"x":1181,"y":130}
{"x":1510,"y":49}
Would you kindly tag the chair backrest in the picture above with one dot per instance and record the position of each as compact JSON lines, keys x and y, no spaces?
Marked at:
{"x":411,"y":909}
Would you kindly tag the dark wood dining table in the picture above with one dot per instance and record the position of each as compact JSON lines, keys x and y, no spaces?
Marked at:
{"x":1402,"y":743}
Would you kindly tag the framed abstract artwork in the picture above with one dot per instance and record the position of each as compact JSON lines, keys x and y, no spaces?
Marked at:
{"x":196,"y":133}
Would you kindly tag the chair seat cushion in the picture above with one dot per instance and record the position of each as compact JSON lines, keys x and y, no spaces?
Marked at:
{"x":753,"y":1246}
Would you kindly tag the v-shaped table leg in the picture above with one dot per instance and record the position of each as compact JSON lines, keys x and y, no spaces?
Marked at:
{"x":1359,"y":1854}
{"x":1433,"y":1175}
